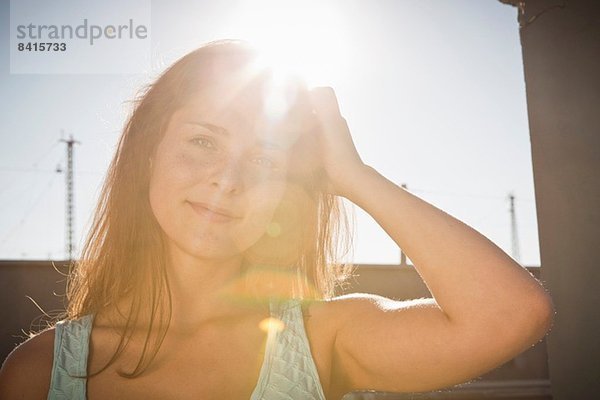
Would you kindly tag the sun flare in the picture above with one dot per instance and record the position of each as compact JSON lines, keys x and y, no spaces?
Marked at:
{"x":306,"y":39}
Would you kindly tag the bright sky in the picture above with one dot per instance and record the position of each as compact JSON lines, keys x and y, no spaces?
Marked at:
{"x":433,"y":92}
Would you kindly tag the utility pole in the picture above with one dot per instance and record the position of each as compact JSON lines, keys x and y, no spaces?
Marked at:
{"x":402,"y":254}
{"x":513,"y":224}
{"x":70,"y":205}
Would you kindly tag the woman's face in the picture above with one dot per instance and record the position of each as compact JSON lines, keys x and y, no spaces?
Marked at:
{"x":217,"y":154}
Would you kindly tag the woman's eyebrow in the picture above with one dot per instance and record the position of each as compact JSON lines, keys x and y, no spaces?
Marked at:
{"x":211,"y":127}
{"x":269,"y":145}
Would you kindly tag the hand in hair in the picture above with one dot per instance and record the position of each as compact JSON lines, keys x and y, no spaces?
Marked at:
{"x":338,"y":154}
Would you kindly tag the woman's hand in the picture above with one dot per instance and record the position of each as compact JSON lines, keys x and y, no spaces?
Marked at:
{"x":338,"y":155}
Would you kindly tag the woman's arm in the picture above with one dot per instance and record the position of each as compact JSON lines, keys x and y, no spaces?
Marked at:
{"x":26,"y":372}
{"x":486,"y":308}
{"x":471,"y":279}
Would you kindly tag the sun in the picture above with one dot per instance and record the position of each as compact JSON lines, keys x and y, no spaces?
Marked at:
{"x":305,"y":38}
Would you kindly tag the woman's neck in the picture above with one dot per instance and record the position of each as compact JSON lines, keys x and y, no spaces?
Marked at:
{"x":201,"y":289}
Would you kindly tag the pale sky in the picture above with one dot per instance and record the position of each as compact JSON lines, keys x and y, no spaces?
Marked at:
{"x":433,"y":92}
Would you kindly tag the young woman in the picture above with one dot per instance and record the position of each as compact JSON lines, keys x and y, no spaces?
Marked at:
{"x":207,"y":271}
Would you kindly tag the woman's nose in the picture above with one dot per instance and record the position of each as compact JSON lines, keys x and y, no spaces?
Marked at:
{"x":228,"y":176}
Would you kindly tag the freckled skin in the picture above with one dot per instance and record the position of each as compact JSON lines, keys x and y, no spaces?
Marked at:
{"x":193,"y":163}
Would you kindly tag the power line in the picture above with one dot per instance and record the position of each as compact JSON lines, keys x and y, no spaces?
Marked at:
{"x":27,"y":213}
{"x":45,"y":154}
{"x":513,"y":218}
{"x":482,"y":196}
{"x":22,"y":192}
{"x":34,"y":164}
{"x":49,"y":171}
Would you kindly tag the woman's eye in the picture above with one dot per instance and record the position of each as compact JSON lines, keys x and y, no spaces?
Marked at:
{"x":266,"y":162}
{"x":203,"y":142}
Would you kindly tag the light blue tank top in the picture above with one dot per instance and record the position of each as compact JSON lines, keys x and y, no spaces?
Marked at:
{"x":288,"y":371}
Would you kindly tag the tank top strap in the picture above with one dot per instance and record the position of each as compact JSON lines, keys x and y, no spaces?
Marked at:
{"x":71,"y":348}
{"x":289,"y":371}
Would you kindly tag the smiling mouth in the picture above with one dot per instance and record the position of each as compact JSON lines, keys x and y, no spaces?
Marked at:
{"x":211,"y":215}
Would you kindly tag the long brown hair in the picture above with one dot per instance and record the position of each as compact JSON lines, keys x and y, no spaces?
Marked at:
{"x":124,"y":254}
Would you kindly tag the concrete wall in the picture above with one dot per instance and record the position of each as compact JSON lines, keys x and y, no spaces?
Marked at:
{"x":561,"y":55}
{"x":19,"y":315}
{"x":40,"y":281}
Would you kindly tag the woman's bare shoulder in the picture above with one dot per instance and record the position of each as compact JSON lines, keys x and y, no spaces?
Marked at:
{"x":26,"y":372}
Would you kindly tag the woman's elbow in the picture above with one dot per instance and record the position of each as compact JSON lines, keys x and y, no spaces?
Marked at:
{"x":543,"y":315}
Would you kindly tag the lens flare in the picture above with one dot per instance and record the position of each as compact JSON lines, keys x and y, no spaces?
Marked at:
{"x":271,"y":325}
{"x":274,"y":229}
{"x":286,"y":239}
{"x":260,"y":284}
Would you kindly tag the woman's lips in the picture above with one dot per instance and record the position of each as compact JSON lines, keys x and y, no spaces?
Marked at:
{"x":210,"y":215}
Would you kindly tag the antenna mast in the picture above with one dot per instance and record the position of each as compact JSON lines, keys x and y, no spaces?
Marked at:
{"x":513,"y":223}
{"x":70,"y":205}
